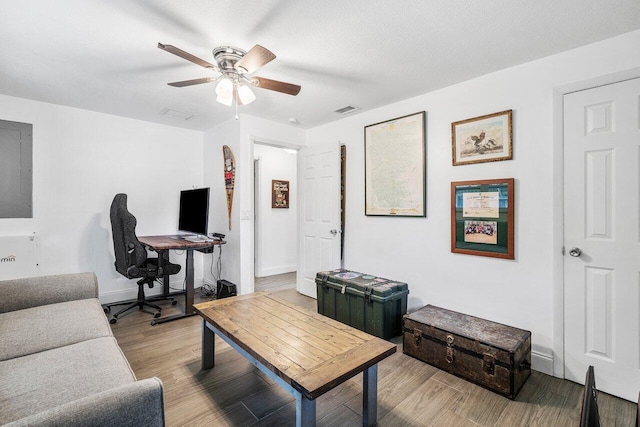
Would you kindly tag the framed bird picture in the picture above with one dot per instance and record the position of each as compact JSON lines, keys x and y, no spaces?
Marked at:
{"x":482,"y":139}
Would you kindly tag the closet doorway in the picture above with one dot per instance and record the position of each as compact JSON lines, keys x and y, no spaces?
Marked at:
{"x":275,"y":217}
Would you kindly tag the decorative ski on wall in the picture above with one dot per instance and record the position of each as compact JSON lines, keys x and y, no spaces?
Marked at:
{"x":229,"y":176}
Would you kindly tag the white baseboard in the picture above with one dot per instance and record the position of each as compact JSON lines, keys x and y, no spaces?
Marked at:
{"x":132,"y":293}
{"x":542,"y":362}
{"x":272,"y":271}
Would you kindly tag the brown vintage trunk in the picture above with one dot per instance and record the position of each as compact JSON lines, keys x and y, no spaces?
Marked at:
{"x":492,"y":355}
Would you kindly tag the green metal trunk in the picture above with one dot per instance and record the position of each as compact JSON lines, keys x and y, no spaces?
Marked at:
{"x":369,"y":303}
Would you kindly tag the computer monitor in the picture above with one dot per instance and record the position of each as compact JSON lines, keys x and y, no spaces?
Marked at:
{"x":194,"y":211}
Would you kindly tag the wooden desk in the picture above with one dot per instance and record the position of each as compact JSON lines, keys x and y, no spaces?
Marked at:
{"x":304,"y":352}
{"x":162,"y":245}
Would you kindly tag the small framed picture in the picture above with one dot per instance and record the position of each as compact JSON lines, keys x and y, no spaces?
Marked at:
{"x":482,"y":218}
{"x":279,"y":194}
{"x":482,"y":139}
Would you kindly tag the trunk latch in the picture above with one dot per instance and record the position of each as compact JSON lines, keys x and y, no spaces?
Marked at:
{"x":417,"y":335}
{"x":450,"y":357}
{"x":489,"y":364}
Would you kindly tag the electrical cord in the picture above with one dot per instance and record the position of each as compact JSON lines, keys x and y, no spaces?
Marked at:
{"x":206,"y":290}
{"x":219,"y":276}
{"x":216,"y":275}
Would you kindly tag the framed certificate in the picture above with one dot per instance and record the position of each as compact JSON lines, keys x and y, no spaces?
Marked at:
{"x":482,"y":218}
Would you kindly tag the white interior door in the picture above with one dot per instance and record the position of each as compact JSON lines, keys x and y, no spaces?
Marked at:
{"x":257,"y":219}
{"x":319,"y":213}
{"x":602,"y":237}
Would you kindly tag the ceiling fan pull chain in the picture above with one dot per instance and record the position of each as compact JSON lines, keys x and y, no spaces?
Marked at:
{"x":235,"y":100}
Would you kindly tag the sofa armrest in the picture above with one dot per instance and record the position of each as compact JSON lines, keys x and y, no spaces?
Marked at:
{"x":19,"y":294}
{"x":136,"y":404}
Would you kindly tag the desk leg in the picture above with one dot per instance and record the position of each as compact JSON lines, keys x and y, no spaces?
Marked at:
{"x":208,"y":347}
{"x":188,"y":303}
{"x":370,"y":396}
{"x":163,"y":257}
{"x":305,"y":411}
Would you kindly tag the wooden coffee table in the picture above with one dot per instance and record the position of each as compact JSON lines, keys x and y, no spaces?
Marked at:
{"x":304,"y":352}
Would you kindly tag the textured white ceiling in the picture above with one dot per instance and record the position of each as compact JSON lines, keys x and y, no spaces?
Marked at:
{"x":101,"y":55}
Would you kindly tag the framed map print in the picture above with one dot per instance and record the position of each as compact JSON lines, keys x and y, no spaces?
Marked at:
{"x":482,"y":218}
{"x":395,"y":167}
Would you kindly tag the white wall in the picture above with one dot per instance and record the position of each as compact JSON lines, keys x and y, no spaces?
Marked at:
{"x":523,"y":292}
{"x":276,"y":229}
{"x":227,"y":133}
{"x":81,"y":159}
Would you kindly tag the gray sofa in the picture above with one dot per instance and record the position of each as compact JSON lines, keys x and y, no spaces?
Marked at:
{"x":59,"y":362}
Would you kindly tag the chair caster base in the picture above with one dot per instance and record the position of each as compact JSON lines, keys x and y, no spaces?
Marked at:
{"x":174,"y":302}
{"x":157,"y":314}
{"x":113,"y":320}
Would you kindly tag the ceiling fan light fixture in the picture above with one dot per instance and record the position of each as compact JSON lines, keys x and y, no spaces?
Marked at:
{"x":224,"y":88}
{"x":246,"y":95}
{"x":226,"y":100}
{"x":224,"y":91}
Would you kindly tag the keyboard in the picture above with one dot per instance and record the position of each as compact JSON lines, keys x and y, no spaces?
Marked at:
{"x":196,"y":239}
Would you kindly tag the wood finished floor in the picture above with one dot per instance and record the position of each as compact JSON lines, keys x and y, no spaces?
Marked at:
{"x":279,"y":282}
{"x":410,"y":393}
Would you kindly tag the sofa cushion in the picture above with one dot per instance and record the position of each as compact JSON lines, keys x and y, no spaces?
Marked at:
{"x":40,"y":381}
{"x":45,"y":327}
{"x":138,"y":404}
{"x":18,"y":294}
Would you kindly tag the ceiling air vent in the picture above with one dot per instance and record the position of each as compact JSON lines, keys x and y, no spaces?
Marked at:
{"x":175,"y":114}
{"x":346,"y":109}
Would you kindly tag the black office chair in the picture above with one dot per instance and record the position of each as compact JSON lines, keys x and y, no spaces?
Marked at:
{"x":589,"y":415}
{"x":131,"y":258}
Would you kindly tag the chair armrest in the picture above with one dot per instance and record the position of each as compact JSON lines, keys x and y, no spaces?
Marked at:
{"x":136,"y":404}
{"x":30,"y":292}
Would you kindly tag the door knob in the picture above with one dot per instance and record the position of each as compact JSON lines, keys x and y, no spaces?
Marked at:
{"x":333,"y":232}
{"x":575,"y":252}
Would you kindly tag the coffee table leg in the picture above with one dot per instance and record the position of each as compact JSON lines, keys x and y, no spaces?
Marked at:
{"x":305,"y":411}
{"x":208,"y":346}
{"x":370,"y":396}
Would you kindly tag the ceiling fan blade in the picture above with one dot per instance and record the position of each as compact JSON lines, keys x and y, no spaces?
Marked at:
{"x":257,"y":57}
{"x":288,"y":88}
{"x":186,"y":55}
{"x":193,"y":82}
